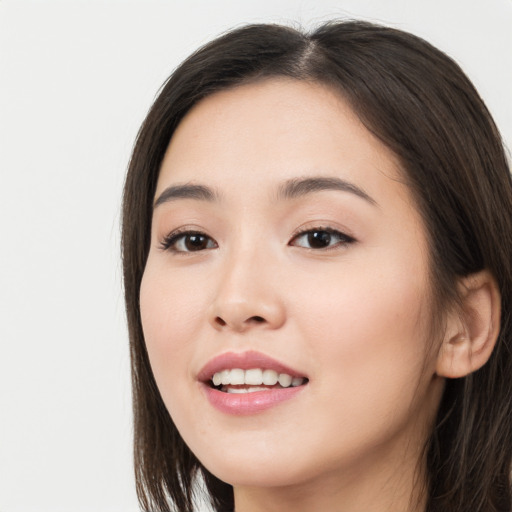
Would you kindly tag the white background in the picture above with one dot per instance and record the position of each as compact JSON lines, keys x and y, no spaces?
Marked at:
{"x":76,"y":79}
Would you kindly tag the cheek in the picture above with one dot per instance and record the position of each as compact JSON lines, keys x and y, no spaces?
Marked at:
{"x":170,"y":319}
{"x":171,"y":302}
{"x":369,"y":333}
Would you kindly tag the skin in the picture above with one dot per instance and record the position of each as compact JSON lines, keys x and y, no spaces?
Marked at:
{"x":353,"y":317}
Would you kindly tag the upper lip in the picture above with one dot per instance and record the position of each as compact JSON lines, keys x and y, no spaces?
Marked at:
{"x":244,"y":361}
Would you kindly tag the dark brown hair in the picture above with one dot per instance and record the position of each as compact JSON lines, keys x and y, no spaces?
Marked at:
{"x":421,"y":105}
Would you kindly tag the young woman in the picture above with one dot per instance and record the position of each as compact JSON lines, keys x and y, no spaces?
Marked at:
{"x":316,"y":245}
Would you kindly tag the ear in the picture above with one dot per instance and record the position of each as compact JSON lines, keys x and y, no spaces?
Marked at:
{"x":472,"y":330}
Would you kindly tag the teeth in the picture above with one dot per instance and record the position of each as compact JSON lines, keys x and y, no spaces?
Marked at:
{"x":237,"y":376}
{"x":254,"y":377}
{"x":297,"y":381}
{"x":225,"y":377}
{"x":252,"y":389}
{"x":270,"y":377}
{"x":285,"y":380}
{"x":217,"y":379}
{"x":236,"y":390}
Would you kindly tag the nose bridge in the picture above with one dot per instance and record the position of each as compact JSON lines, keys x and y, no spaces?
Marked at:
{"x":247,"y":295}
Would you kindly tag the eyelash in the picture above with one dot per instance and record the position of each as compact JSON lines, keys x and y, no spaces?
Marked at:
{"x":170,"y":241}
{"x":344,"y":239}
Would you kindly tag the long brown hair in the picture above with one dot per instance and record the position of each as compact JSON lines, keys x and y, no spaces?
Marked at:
{"x":421,"y":105}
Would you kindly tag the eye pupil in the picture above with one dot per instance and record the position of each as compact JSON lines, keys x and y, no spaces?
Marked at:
{"x":196,"y":242}
{"x":319,"y":239}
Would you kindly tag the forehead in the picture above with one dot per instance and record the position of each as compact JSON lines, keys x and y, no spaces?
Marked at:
{"x":257,"y":135}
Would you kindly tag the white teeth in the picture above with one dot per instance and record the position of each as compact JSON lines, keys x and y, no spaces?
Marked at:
{"x":237,"y":376}
{"x":254,"y":377}
{"x":297,"y":381}
{"x":285,"y":380}
{"x":252,"y":389}
{"x":269,"y":377}
{"x":236,"y":390}
{"x":225,"y":376}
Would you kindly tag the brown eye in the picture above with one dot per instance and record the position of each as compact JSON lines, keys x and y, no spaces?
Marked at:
{"x":321,"y":239}
{"x":188,"y":242}
{"x":195,"y":242}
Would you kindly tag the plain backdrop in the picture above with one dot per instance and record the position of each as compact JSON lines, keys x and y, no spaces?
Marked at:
{"x":76,"y":79}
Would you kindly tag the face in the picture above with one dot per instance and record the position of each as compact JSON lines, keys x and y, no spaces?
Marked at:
{"x":285,"y":246}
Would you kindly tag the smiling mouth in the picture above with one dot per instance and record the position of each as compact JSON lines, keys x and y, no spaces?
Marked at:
{"x":236,"y":380}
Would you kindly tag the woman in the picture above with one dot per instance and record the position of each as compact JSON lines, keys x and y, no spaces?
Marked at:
{"x":316,"y":249}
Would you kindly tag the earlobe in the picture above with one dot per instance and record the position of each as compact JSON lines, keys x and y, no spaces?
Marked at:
{"x":472,"y":330}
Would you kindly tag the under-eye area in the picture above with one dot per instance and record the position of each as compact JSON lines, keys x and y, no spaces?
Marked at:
{"x":237,"y":380}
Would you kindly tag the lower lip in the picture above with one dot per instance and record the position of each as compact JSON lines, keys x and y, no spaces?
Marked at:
{"x":249,"y":403}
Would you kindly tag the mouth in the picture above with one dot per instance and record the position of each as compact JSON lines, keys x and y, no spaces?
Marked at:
{"x":249,"y":382}
{"x":237,"y":380}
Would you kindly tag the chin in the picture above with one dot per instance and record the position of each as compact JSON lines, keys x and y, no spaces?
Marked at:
{"x":263,"y":466}
{"x":257,"y":473}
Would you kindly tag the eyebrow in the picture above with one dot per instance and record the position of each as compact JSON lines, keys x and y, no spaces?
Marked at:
{"x":290,"y":189}
{"x":298,"y":187}
{"x":186,"y":191}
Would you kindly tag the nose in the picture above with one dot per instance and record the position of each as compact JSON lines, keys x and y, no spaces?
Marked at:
{"x":248,"y":296}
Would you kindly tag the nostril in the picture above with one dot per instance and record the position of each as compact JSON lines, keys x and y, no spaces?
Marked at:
{"x":256,"y":319}
{"x":220,"y":322}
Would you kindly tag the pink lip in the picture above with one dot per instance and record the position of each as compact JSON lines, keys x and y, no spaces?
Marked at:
{"x":246,"y":403}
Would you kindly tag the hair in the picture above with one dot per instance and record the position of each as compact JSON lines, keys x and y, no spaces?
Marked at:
{"x":419,"y":103}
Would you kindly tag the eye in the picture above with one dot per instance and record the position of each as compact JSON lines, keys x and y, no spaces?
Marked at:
{"x":321,"y":238}
{"x":188,"y":241}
